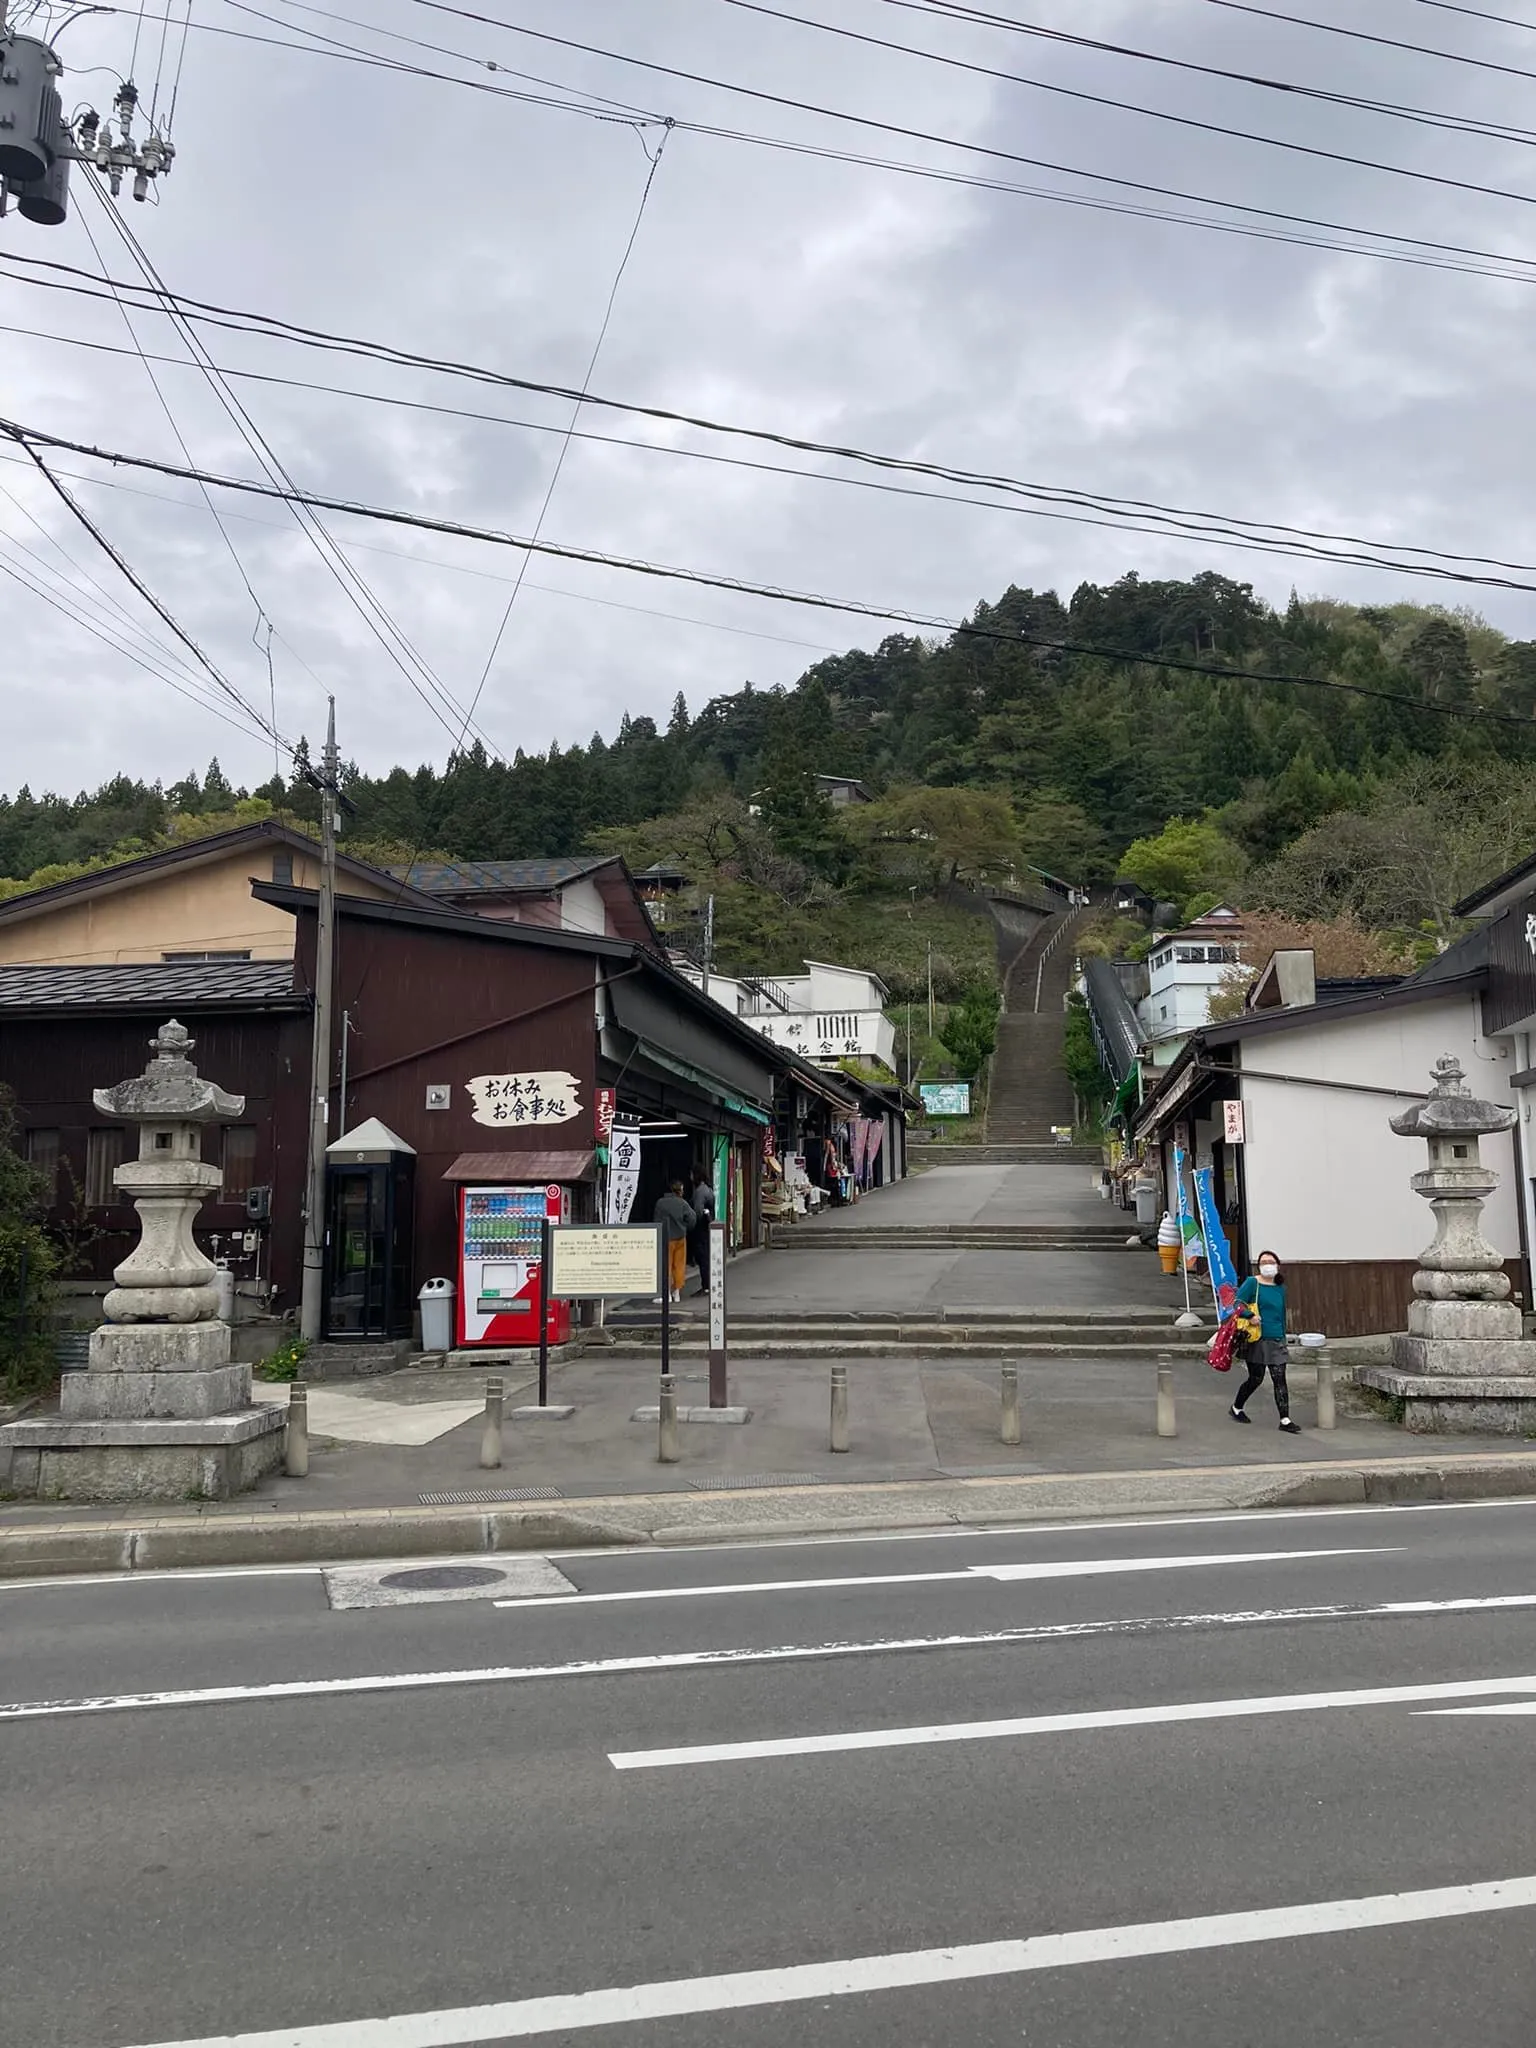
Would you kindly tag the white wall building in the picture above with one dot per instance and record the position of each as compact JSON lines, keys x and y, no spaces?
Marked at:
{"x":826,"y":1014}
{"x":1184,"y":970}
{"x":1318,"y":1175}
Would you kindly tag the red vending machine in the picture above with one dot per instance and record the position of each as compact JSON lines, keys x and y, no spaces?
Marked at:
{"x":501,"y":1272}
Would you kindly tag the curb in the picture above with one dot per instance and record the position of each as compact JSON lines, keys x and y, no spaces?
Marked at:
{"x":316,"y":1536}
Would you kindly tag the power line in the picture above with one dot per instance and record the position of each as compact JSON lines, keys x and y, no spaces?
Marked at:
{"x":1045,"y":195}
{"x":1478,"y":14}
{"x":1468,"y":124}
{"x":1129,"y":107}
{"x":78,"y":512}
{"x":108,"y":638}
{"x":565,"y":444}
{"x":946,"y":142}
{"x":455,"y":568}
{"x":342,"y":572}
{"x":1068,"y":496}
{"x":1358,"y":35}
{"x":743,"y":587}
{"x":1172,"y":524}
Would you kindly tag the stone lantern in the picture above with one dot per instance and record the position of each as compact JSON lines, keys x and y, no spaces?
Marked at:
{"x":161,"y":1414}
{"x":1463,"y":1363}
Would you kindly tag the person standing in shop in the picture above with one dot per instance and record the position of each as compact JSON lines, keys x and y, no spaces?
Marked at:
{"x":674,"y":1219}
{"x":1265,"y":1289}
{"x":704,"y":1213}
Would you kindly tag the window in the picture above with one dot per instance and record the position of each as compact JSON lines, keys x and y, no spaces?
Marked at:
{"x":186,"y":959}
{"x":43,"y":1153}
{"x":282,"y":869}
{"x":103,"y":1152}
{"x":239,"y":1161}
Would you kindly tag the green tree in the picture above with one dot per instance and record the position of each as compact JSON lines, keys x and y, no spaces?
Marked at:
{"x":969,"y":1032}
{"x":1189,"y":856}
{"x":962,"y":834}
{"x":28,"y":1264}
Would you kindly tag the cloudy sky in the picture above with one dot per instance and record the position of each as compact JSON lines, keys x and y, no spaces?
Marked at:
{"x":834,"y":301}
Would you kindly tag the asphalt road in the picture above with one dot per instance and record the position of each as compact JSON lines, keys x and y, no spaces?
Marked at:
{"x":1226,"y":1782}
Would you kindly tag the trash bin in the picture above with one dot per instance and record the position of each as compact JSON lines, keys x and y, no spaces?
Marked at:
{"x":437,"y":1298}
{"x":1146,"y":1203}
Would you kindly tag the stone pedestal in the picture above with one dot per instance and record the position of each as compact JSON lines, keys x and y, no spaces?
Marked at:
{"x":161,"y":1413}
{"x":1462,"y":1365}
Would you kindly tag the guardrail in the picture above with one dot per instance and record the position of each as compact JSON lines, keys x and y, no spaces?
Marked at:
{"x":1068,"y":923}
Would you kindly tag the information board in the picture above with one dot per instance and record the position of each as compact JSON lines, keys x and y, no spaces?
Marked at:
{"x":588,"y":1260}
{"x":946,"y":1098}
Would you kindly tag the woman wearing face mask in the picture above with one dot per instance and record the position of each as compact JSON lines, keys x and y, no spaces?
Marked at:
{"x":1267,"y":1293}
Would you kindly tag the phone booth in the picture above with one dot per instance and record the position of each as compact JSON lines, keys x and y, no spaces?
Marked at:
{"x":370,"y":1208}
{"x":501,"y":1265}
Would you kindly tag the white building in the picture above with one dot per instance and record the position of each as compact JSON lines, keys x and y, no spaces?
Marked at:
{"x":1309,"y":1166}
{"x":1184,"y":971}
{"x":826,"y":1015}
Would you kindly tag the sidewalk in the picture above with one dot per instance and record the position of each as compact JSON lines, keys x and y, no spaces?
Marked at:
{"x":395,"y":1465}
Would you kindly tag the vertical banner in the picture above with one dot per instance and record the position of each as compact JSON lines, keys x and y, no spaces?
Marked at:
{"x":1189,"y":1229}
{"x":1218,"y":1253}
{"x":623,"y":1174}
{"x":719,"y":1396}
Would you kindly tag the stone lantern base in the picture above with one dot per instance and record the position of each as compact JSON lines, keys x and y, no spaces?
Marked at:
{"x":160,"y":1415}
{"x":1458,"y":1404}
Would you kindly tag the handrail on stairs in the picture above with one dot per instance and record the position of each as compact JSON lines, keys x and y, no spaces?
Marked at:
{"x":1056,"y":938}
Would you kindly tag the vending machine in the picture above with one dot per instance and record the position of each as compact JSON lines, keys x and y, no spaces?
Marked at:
{"x":501,"y":1273}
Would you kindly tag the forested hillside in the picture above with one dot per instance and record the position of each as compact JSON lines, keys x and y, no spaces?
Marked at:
{"x":1044,"y":735}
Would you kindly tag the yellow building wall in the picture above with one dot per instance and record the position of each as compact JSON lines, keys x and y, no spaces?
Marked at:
{"x":180,"y":910}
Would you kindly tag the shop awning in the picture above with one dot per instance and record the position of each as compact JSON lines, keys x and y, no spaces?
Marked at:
{"x":522,"y":1169}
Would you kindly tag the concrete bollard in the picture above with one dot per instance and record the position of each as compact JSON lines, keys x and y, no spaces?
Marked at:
{"x":296,"y":1436}
{"x":490,"y":1440}
{"x":1012,"y":1433}
{"x":667,"y":1451}
{"x":1326,"y":1417}
{"x":838,"y":1438}
{"x":1166,"y":1423}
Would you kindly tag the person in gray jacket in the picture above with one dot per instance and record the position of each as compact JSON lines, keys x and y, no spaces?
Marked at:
{"x":704,"y":1213}
{"x":674,"y":1219}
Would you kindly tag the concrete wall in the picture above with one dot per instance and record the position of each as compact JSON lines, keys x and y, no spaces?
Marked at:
{"x":1326,"y":1179}
{"x":185,"y":909}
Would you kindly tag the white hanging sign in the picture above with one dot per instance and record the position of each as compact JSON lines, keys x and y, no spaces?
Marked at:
{"x":520,"y":1101}
{"x":623,"y":1173}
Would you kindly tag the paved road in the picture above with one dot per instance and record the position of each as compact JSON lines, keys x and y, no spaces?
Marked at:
{"x":1187,"y":1783}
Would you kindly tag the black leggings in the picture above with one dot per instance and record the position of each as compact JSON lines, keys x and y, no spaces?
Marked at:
{"x":1264,"y":1356}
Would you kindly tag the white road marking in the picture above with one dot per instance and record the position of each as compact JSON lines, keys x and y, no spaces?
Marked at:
{"x":1523,"y":1707}
{"x":972,"y":1532}
{"x":150,"y":1578}
{"x":1069,"y":1568}
{"x":1061,"y":1724}
{"x":858,"y":1976}
{"x":787,"y":1653}
{"x":367,"y":1419}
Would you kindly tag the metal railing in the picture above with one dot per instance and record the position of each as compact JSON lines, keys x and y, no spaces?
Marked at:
{"x":1068,"y":923}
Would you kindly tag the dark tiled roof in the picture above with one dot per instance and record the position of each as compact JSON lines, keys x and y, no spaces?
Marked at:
{"x":154,"y":984}
{"x":465,"y":877}
{"x":1467,"y":955}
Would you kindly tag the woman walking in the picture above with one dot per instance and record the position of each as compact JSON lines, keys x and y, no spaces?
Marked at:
{"x":1266,"y":1291}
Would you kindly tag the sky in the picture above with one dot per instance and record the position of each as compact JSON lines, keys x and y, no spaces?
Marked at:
{"x":830,"y":301}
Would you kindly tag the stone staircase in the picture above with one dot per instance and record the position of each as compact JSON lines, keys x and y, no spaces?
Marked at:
{"x":1029,"y":1092}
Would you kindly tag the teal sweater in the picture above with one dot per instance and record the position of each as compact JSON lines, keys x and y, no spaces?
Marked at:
{"x":1271,"y":1301}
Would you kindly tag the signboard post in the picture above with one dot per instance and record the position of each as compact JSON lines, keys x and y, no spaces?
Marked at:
{"x":718,"y":1372}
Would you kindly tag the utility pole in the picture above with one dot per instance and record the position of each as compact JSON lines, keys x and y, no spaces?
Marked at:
{"x":930,"y":988}
{"x":320,"y":1054}
{"x":709,"y":942}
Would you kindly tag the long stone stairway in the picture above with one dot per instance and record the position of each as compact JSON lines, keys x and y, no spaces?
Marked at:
{"x":1030,"y":1092}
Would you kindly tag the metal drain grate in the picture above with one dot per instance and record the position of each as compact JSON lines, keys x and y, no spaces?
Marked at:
{"x":485,"y":1496}
{"x":727,"y":1479}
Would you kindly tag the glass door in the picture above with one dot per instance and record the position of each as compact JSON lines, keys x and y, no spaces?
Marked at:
{"x":358,"y":1258}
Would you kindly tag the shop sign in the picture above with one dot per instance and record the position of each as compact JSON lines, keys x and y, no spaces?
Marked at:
{"x":623,"y":1175}
{"x":946,"y":1098}
{"x":588,"y":1260}
{"x":521,"y":1101}
{"x":603,"y":1108}
{"x":1234,"y":1123}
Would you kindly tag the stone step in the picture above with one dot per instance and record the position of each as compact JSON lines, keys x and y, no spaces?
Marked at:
{"x":967,"y":1345}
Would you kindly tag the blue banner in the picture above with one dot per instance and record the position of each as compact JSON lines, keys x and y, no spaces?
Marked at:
{"x":1218,"y":1253}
